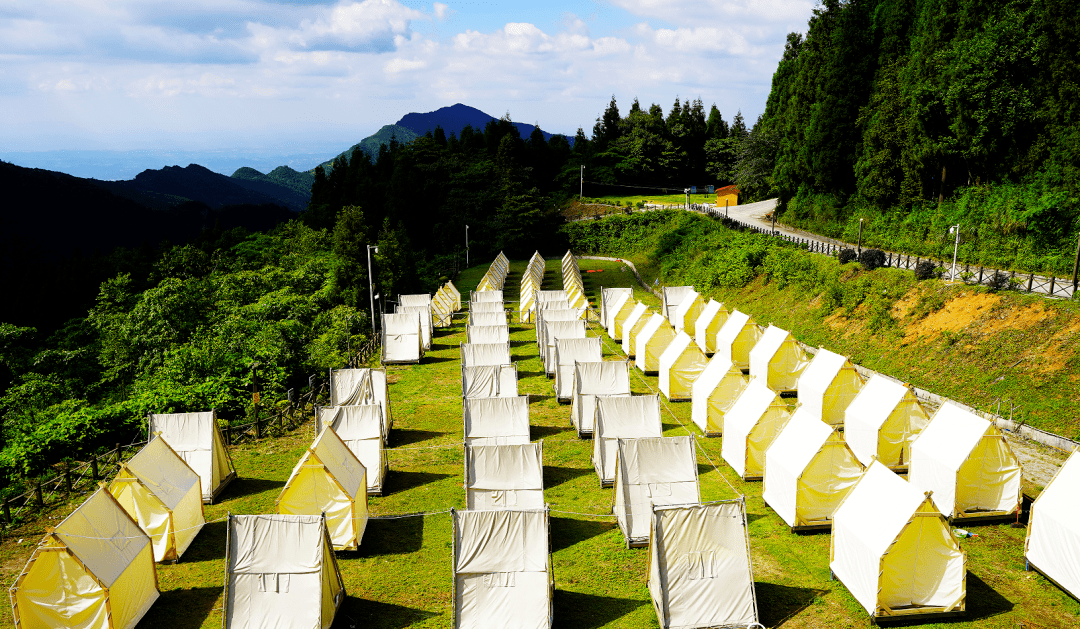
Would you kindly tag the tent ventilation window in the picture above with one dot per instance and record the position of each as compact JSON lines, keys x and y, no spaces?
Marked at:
{"x":274,"y":582}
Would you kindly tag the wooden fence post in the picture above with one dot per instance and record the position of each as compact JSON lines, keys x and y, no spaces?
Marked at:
{"x":7,"y":511}
{"x":93,"y":468}
{"x":67,"y":478}
{"x":1031,"y":280}
{"x":980,"y":273}
{"x":1051,"y":285}
{"x":37,"y":493}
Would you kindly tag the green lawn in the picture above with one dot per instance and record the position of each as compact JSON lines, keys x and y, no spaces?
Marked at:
{"x":401,"y":576}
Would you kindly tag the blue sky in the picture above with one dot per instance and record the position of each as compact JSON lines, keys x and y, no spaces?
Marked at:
{"x":293,"y":76}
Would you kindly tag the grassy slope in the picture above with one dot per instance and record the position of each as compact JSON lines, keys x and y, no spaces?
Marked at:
{"x":401,"y":576}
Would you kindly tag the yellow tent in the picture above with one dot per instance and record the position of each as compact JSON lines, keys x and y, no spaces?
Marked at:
{"x":713,"y":316}
{"x":610,"y":298}
{"x":829,"y":384}
{"x":620,"y":311}
{"x":778,"y":360}
{"x":750,"y":426}
{"x":94,"y":571}
{"x":160,"y":492}
{"x":681,"y":365}
{"x":808,"y":471}
{"x":633,"y":326}
{"x":651,"y":342}
{"x":197,"y":438}
{"x":882,"y":421}
{"x":714,"y":392}
{"x":736,"y":338}
{"x":330,"y":480}
{"x":686,"y":315}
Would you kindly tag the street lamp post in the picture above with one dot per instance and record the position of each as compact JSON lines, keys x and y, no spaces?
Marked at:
{"x":956,"y":245}
{"x":370,"y":287}
{"x":581,"y":189}
{"x":466,"y":246}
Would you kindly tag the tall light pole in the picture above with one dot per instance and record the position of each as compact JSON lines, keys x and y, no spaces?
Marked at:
{"x":370,"y":287}
{"x":466,"y":246}
{"x":956,"y":245}
{"x":581,"y":189}
{"x":686,"y":191}
{"x":860,"y":237}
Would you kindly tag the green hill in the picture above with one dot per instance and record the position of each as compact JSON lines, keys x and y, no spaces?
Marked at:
{"x":371,"y":144}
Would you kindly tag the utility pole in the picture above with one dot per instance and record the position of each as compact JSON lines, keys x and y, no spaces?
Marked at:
{"x":956,"y":245}
{"x":686,"y":191}
{"x":860,"y":237}
{"x":1076,"y":263}
{"x":466,"y":246}
{"x":370,"y":287}
{"x":581,"y":189}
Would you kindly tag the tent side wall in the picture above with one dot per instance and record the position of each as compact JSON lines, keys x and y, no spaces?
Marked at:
{"x":989,"y":481}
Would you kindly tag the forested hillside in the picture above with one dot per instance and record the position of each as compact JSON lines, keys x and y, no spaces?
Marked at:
{"x":918,"y":114}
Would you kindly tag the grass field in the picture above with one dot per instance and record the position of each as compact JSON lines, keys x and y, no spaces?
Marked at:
{"x":660,"y":199}
{"x":401,"y":576}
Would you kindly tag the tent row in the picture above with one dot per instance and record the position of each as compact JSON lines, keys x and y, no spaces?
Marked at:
{"x":531,"y":279}
{"x":444,"y":304}
{"x":571,"y":282}
{"x":495,"y":276}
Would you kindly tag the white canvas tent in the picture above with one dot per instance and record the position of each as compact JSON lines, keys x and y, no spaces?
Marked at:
{"x":622,"y":417}
{"x":487,"y":306}
{"x":808,"y":471}
{"x":360,"y":427}
{"x":1052,"y":545}
{"x":489,"y":381}
{"x":197,"y":438}
{"x":621,"y":308}
{"x":487,"y":318}
{"x":554,"y":315}
{"x":402,"y":338}
{"x":883,"y":420}
{"x":95,"y":570}
{"x":482,"y":296}
{"x":504,"y":477}
{"x":636,"y":320}
{"x":736,"y":338}
{"x":496,"y":421}
{"x":609,"y":300}
{"x":894,"y":552}
{"x":699,"y":566}
{"x":554,"y":330}
{"x":329,"y":480}
{"x":426,"y":322}
{"x":592,"y":381}
{"x":652,"y":471}
{"x":502,"y":570}
{"x":714,"y":392}
{"x":750,"y":426}
{"x":828,"y":385}
{"x":651,"y":342}
{"x":686,"y":315}
{"x":487,"y":333}
{"x":568,"y":352}
{"x":681,"y":365}
{"x":163,"y":495}
{"x":478,"y":354}
{"x":280,"y":572}
{"x":712,"y":318}
{"x":778,"y":360}
{"x":531,"y":279}
{"x":671,"y":298}
{"x":967,"y":464}
{"x":362,"y":385}
{"x":414,"y":300}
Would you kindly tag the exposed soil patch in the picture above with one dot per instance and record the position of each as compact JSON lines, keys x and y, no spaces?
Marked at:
{"x":957,"y":314}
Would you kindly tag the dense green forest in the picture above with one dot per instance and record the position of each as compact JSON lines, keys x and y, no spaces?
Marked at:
{"x":918,"y":114}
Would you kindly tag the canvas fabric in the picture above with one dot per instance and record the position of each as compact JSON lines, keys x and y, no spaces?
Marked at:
{"x":681,"y":365}
{"x":487,"y":306}
{"x":623,"y":306}
{"x":554,"y":330}
{"x":414,"y":300}
{"x":622,"y":417}
{"x":488,"y":333}
{"x":1053,"y":537}
{"x":651,"y":343}
{"x":424,"y":312}
{"x":636,"y":320}
{"x":496,"y":420}
{"x":593,"y":380}
{"x":736,"y":338}
{"x":487,"y":318}
{"x":402,"y":338}
{"x":650,"y":472}
{"x":478,"y":354}
{"x":349,"y":387}
{"x":671,"y":298}
{"x":713,"y":393}
{"x":686,"y":315}
{"x":504,"y":476}
{"x":569,"y":352}
{"x":361,"y":428}
{"x":778,"y":359}
{"x":712,"y":318}
{"x":828,"y":385}
{"x":485,"y":296}
{"x":883,"y":420}
{"x":489,"y":381}
{"x":197,"y":439}
{"x":609,"y":300}
{"x":750,"y":426}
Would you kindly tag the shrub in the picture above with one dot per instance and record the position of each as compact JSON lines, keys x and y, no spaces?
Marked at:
{"x":925,"y":270}
{"x":871,"y":259}
{"x":998,"y":281}
{"x":846,"y":255}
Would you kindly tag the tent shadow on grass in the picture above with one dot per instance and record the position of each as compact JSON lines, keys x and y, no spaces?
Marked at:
{"x":357,"y":612}
{"x":183,"y":609}
{"x":565,"y":532}
{"x":428,"y":360}
{"x":389,"y":537}
{"x":542,"y":432}
{"x":776,"y":603}
{"x":529,"y":374}
{"x":398,"y":481}
{"x":555,"y":476}
{"x":241,"y":487}
{"x":208,"y":545}
{"x":587,"y":611}
{"x":405,"y":436}
{"x":983,"y":602}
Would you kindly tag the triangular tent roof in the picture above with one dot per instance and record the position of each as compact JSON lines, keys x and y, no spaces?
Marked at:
{"x":491,"y":421}
{"x":633,"y":323}
{"x":530,"y":285}
{"x":491,"y":583}
{"x":488,"y":333}
{"x":652,"y":471}
{"x":967,"y":464}
{"x":362,"y":385}
{"x":680,"y":365}
{"x":893,"y":551}
{"x":750,"y":426}
{"x":360,"y":428}
{"x":160,"y":492}
{"x":95,"y":570}
{"x":671,"y":298}
{"x":280,"y":572}
{"x":197,"y":438}
{"x":619,"y":311}
{"x":712,"y":318}
{"x":883,"y":420}
{"x":808,"y":471}
{"x":714,"y":392}
{"x":504,"y":477}
{"x":686,"y":315}
{"x":736,"y":338}
{"x":489,"y":381}
{"x":402,"y":338}
{"x":651,"y":343}
{"x":778,"y":360}
{"x":828,"y":385}
{"x":558,"y":330}
{"x":622,"y":417}
{"x":477,"y":354}
{"x":569,"y":351}
{"x":1053,"y":537}
{"x":329,"y":480}
{"x":609,"y":300}
{"x":593,"y":380}
{"x":487,"y":318}
{"x":699,"y":566}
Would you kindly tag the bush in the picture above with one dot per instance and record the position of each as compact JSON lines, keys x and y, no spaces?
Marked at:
{"x":998,"y":281}
{"x":871,"y":259}
{"x":925,"y":270}
{"x":846,"y":255}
